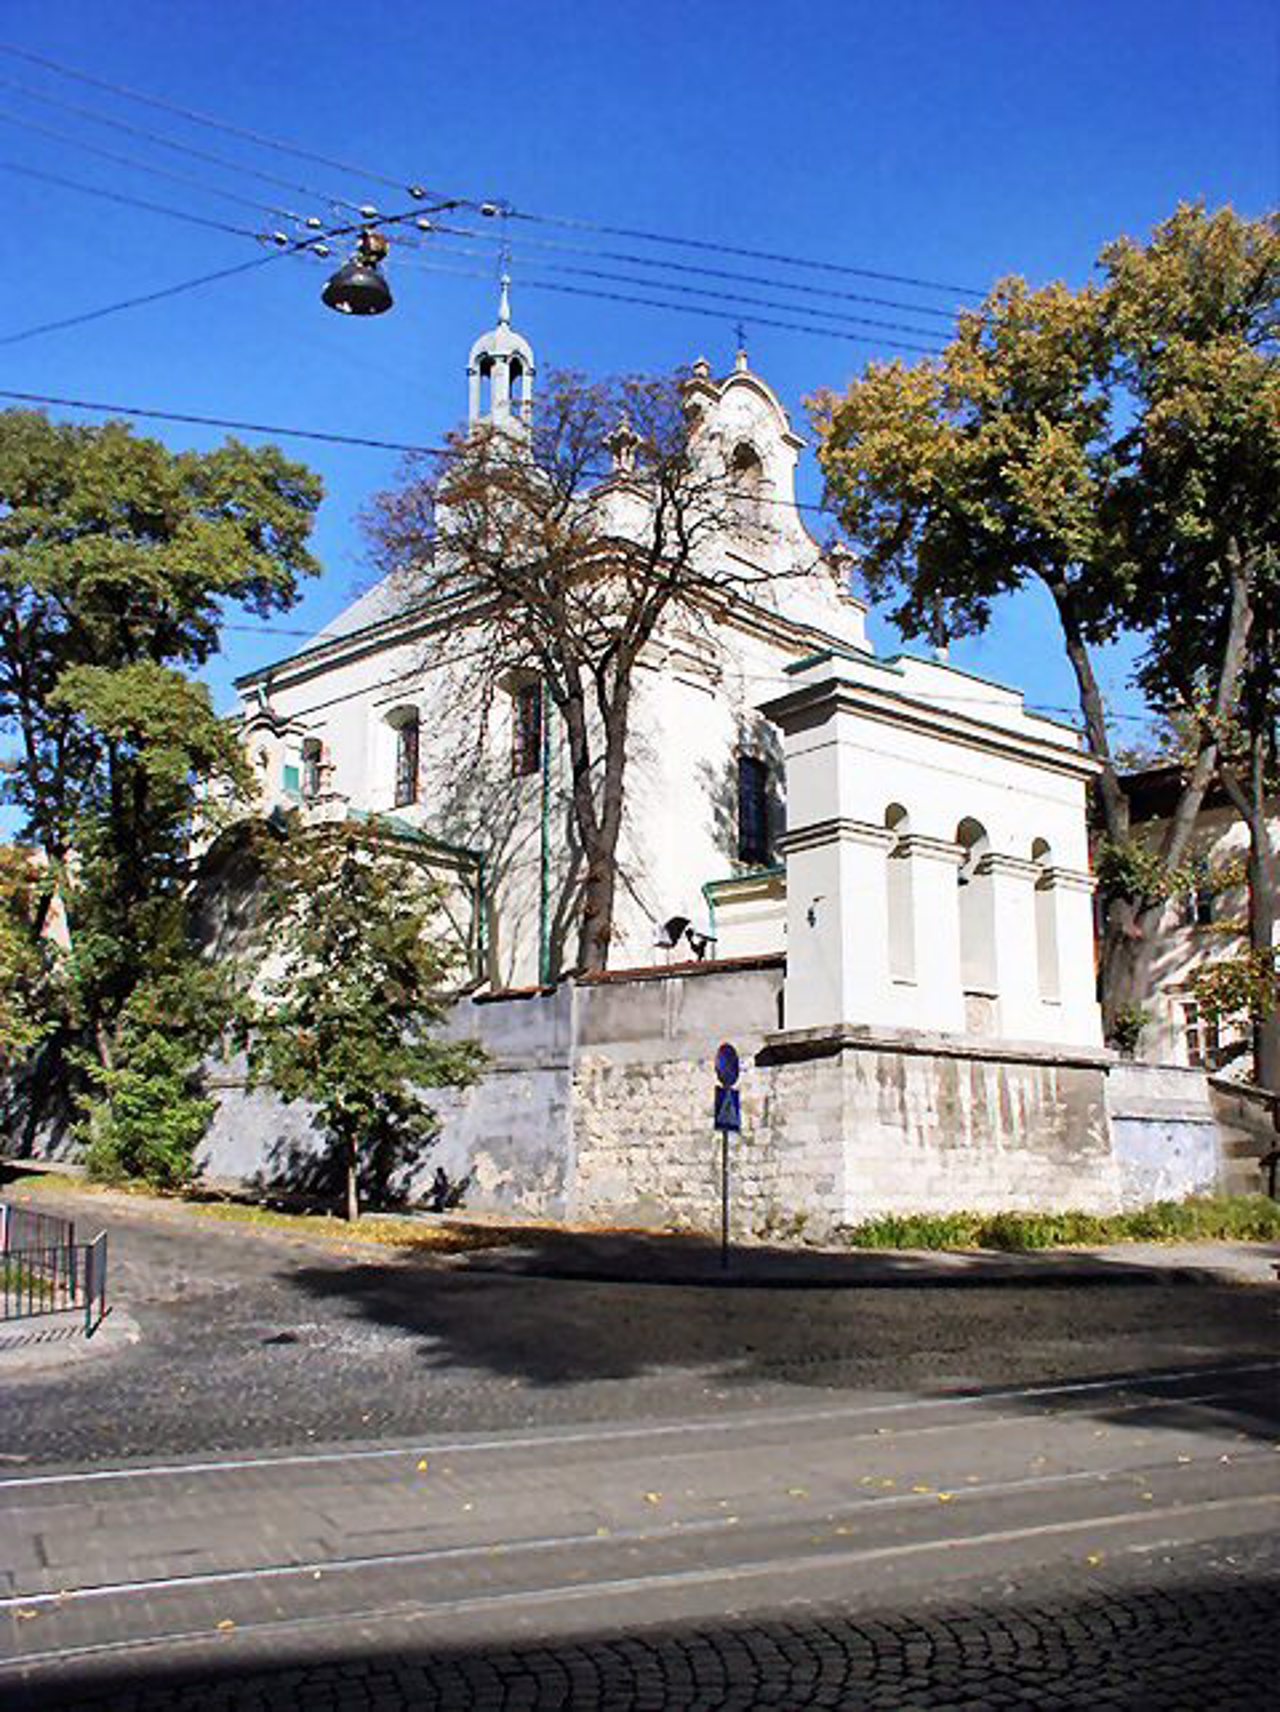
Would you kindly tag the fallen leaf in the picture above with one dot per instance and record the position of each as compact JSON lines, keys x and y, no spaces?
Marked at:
{"x":226,"y":1624}
{"x":602,"y":1533}
{"x":945,"y":1497}
{"x":922,"y":1488}
{"x":797,"y":1492}
{"x":26,"y":1613}
{"x":422,"y":1466}
{"x":887,"y":1483}
{"x":1094,"y":1558}
{"x":653,"y":1497}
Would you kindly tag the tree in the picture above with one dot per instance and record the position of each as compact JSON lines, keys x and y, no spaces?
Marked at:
{"x":27,"y":974}
{"x":1196,"y":318}
{"x":560,"y":552}
{"x":353,"y":976}
{"x":1040,"y":447}
{"x":116,"y":559}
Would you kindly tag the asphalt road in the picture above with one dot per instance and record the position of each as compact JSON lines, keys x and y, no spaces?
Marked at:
{"x":457,"y":1490}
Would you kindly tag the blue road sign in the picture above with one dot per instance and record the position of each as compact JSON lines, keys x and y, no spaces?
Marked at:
{"x":727,"y":1065}
{"x":728,"y":1109}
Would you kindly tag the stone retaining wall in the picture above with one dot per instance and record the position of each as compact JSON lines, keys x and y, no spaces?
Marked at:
{"x":598,"y":1108}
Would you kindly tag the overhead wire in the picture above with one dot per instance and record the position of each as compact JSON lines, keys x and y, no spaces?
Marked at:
{"x":567,"y":222}
{"x":528,"y":282}
{"x":297,"y":247}
{"x":126,"y":200}
{"x":178,"y":148}
{"x":741,"y":300}
{"x":630,"y":258}
{"x":138,"y":165}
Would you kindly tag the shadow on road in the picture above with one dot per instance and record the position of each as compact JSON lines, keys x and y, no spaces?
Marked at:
{"x":1206,"y":1642}
{"x":568,"y":1310}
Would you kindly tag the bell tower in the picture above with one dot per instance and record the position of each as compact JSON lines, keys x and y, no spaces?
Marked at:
{"x":500,"y":373}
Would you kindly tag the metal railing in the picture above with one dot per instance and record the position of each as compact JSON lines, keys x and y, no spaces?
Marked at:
{"x":44,"y":1270}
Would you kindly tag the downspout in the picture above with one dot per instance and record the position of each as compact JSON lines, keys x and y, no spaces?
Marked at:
{"x":482,"y":916}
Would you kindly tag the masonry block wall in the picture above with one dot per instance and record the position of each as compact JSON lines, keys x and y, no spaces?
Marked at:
{"x":597,"y":1109}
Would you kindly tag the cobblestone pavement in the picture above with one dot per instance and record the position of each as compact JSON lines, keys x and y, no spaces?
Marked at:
{"x":251,"y":1340}
{"x":1199,"y":1636}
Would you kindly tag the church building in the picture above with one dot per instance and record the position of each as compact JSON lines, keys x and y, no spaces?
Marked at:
{"x":908,"y":836}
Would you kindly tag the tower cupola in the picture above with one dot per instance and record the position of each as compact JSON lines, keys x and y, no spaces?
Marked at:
{"x":500,"y":373}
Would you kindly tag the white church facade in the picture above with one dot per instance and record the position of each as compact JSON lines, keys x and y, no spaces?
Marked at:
{"x":907,"y":836}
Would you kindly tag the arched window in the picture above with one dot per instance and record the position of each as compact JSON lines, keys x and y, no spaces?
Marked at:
{"x":977,"y":913}
{"x":486,"y":386}
{"x":518,"y":383}
{"x":901,"y":903}
{"x":404,"y":721}
{"x":1046,"y":923}
{"x":747,"y":484}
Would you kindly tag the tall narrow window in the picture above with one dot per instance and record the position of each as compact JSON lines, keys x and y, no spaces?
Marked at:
{"x":312,"y":751}
{"x":407,"y":745}
{"x":526,"y":730}
{"x":753,"y":810}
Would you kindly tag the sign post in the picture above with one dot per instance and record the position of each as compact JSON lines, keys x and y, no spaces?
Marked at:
{"x":727,"y":1117}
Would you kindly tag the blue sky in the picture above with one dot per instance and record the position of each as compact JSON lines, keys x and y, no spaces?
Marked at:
{"x":932,"y":139}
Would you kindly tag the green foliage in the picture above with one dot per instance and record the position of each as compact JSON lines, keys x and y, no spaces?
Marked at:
{"x":144,"y":1110}
{"x":1126,"y":1028}
{"x":1130,"y":868}
{"x":354,"y":975}
{"x":1244,"y":985}
{"x":117,"y":558}
{"x":28,"y":973}
{"x":1231,"y":1218}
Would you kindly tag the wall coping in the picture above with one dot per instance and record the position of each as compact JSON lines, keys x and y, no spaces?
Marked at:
{"x":796,"y":1045}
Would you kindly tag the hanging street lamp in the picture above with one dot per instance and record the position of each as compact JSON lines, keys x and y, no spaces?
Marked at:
{"x":359,"y":287}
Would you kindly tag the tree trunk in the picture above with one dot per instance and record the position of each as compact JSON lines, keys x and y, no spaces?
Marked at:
{"x":1131,"y":921}
{"x":1251,"y":805}
{"x":351,"y":1171}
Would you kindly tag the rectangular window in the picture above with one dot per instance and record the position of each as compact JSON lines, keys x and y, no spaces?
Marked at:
{"x":526,"y":730}
{"x":753,"y":811}
{"x":1201,"y":1036}
{"x":292,"y":780}
{"x":406,"y":763}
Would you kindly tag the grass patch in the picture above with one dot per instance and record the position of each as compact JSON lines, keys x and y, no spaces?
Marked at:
{"x":1207,"y":1218}
{"x":448,"y":1238}
{"x":23,"y":1283}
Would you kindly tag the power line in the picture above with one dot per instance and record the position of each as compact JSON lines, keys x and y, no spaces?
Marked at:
{"x":127,"y":201}
{"x":837,"y":315}
{"x":169,"y":143}
{"x":285,"y":249}
{"x":564,"y":221}
{"x":722,"y":315}
{"x":219,"y":421}
{"x":631,"y":259}
{"x":134,"y":303}
{"x":748,"y":254}
{"x":195,"y":117}
{"x":133,"y":162}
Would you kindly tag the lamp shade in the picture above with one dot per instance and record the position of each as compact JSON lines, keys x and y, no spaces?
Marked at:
{"x":357,"y":288}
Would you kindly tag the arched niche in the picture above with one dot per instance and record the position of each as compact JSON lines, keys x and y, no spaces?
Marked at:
{"x":977,"y":910}
{"x":900,"y":896}
{"x":1046,"y":907}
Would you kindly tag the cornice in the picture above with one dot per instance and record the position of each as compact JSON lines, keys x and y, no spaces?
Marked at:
{"x":839,"y":829}
{"x":899,"y":708}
